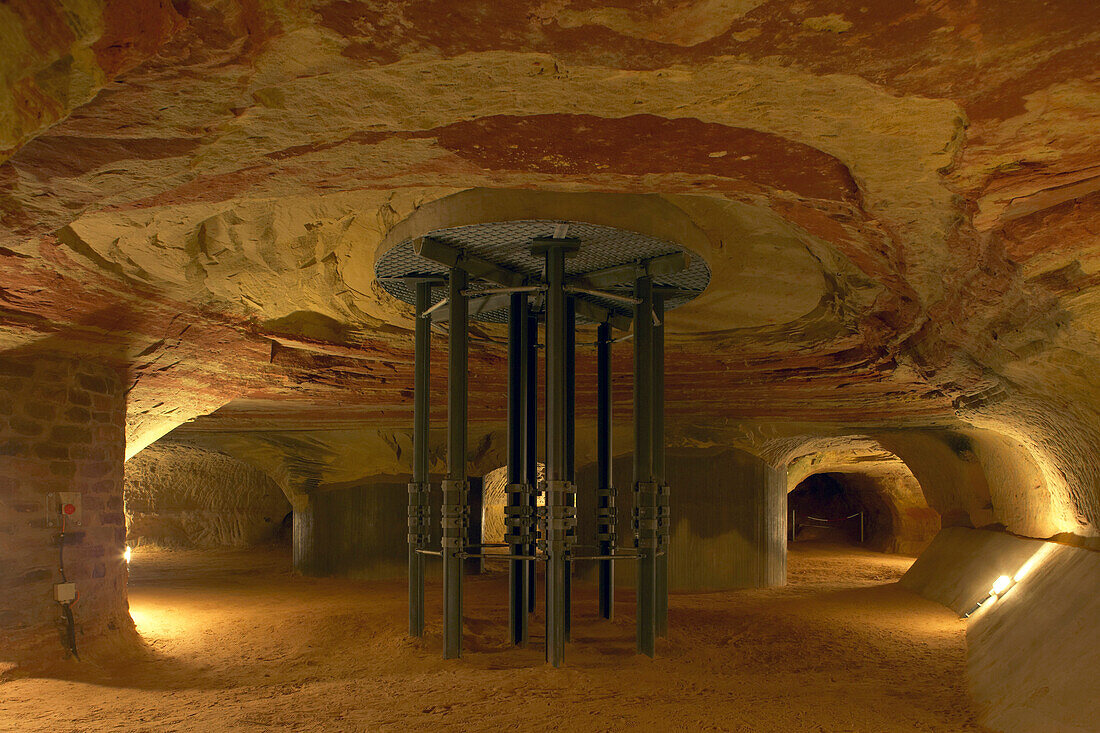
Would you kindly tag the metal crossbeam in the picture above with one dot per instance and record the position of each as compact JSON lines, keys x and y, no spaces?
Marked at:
{"x":668,"y":264}
{"x":475,"y":267}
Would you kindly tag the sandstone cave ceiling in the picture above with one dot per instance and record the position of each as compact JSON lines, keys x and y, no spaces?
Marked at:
{"x":899,"y":202}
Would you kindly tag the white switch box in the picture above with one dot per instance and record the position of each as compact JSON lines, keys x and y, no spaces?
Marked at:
{"x":67,"y":503}
{"x":64,"y":592}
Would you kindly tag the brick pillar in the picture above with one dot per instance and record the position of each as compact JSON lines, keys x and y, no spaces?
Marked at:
{"x":61,"y":430}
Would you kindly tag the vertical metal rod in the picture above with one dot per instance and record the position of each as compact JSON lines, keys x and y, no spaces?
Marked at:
{"x":570,"y":437}
{"x":645,"y":499}
{"x":475,"y":506}
{"x":454,"y":495}
{"x":555,"y":454}
{"x":605,"y":498}
{"x":661,"y":621}
{"x":517,"y":465}
{"x":532,"y":465}
{"x":418,"y":489}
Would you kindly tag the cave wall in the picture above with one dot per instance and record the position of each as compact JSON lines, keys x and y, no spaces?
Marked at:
{"x":1004,"y":480}
{"x":187,"y":497}
{"x":61,"y":430}
{"x":1034,"y":653}
{"x":949,"y":472}
{"x":728,"y":512}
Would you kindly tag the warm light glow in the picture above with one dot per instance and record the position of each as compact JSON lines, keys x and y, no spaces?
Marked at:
{"x":1033,"y":562}
{"x":127,"y":553}
{"x":1005,"y":583}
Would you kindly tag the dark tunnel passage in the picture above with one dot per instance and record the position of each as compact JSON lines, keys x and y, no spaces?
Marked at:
{"x":858,"y":509}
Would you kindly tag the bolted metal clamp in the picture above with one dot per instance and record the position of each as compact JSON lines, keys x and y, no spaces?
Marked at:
{"x":607,"y":515}
{"x":519,"y":515}
{"x":558,"y":519}
{"x":419,"y":514}
{"x":646,"y":515}
{"x":456,"y":514}
{"x":664,"y":517}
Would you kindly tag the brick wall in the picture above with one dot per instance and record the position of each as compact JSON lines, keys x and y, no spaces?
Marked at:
{"x":61,"y":429}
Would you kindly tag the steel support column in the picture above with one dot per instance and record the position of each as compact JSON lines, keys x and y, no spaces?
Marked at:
{"x":419,"y":507}
{"x":532,"y":465}
{"x":570,"y":440}
{"x":454,"y":487}
{"x":560,"y":515}
{"x":645,"y":488}
{"x":663,"y":527}
{"x":518,"y":512}
{"x":605,"y":492}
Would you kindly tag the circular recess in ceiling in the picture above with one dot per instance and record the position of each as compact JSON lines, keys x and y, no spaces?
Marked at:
{"x":762,"y":271}
{"x":608,"y":260}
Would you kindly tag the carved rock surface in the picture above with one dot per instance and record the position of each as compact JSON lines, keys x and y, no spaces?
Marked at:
{"x":184,"y":497}
{"x":901,"y":203}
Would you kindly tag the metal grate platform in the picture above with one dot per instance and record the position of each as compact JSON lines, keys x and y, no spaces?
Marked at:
{"x":507,"y":244}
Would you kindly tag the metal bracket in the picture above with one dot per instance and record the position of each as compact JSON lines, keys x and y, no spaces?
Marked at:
{"x":419,"y":514}
{"x":664,"y":517}
{"x":646,"y":515}
{"x":519,"y":515}
{"x":607,"y":517}
{"x":456,"y":514}
{"x":443,"y":254}
{"x":558,"y":519}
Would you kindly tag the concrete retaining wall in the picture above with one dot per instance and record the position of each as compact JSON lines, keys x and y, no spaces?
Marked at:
{"x":362,"y":531}
{"x":1034,"y":653}
{"x":728,"y":519}
{"x":359,"y":531}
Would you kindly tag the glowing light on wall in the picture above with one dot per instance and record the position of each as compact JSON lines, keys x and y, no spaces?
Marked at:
{"x":1005,"y":583}
{"x":127,"y":553}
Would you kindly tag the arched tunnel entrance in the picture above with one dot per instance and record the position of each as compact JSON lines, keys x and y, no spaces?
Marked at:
{"x":852,"y":490}
{"x":872,"y":511}
{"x":823,"y":507}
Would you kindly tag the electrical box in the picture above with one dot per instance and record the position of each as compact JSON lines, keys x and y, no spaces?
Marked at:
{"x":64,"y":592}
{"x":65,"y":503}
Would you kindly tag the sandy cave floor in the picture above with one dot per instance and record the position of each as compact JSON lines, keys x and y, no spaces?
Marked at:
{"x":237,"y":642}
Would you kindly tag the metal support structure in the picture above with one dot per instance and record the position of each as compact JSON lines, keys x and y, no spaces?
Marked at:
{"x":455,"y":509}
{"x":605,"y":491}
{"x":532,"y":465}
{"x":560,"y":514}
{"x":645,"y":488}
{"x":419,"y":488}
{"x":490,"y":281}
{"x":663,"y":526}
{"x":475,"y":505}
{"x":570,"y":442}
{"x":519,"y":515}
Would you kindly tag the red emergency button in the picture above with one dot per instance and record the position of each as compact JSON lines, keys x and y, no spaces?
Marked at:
{"x":69,"y":509}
